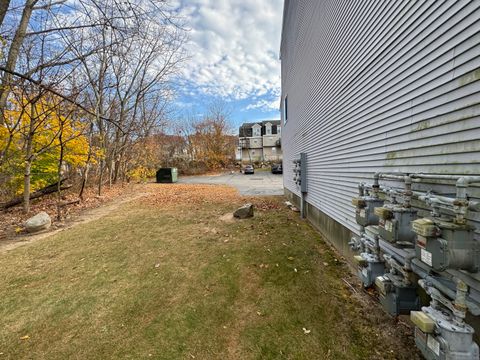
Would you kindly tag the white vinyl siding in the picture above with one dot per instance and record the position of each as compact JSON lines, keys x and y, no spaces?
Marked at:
{"x":379,"y":86}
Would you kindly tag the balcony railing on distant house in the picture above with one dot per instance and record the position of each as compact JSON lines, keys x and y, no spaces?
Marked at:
{"x":244,"y":143}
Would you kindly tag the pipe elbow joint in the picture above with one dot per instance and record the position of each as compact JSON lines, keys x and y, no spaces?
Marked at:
{"x":463,"y":182}
{"x":407,"y":179}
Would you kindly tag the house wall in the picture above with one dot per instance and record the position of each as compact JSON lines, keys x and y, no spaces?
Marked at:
{"x":256,"y":142}
{"x":270,"y":140}
{"x":253,"y":154}
{"x":379,"y":86}
{"x":269,"y":154}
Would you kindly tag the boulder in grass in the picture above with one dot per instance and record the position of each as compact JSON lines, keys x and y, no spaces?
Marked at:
{"x":39,"y":222}
{"x":246,"y":211}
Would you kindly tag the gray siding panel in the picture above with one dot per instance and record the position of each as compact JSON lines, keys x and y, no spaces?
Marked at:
{"x":379,"y":85}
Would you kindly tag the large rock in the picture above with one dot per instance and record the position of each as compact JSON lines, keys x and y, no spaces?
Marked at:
{"x":39,"y":222}
{"x":246,"y":211}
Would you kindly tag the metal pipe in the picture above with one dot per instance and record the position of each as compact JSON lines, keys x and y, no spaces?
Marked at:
{"x":377,"y":245}
{"x":302,"y":205}
{"x":408,"y":191}
{"x":376,"y":185}
{"x":461,"y":298}
{"x":472,"y":205}
{"x":471,"y":178}
{"x":408,"y":261}
{"x":472,"y":307}
{"x":461,"y":202}
{"x":392,"y":176}
{"x":436,"y":176}
{"x":387,"y":173}
{"x":361,"y":189}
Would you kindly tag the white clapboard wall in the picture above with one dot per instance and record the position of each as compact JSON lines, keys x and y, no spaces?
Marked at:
{"x":379,"y":86}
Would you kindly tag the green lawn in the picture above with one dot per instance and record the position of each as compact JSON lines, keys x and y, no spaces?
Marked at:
{"x":174,"y":281}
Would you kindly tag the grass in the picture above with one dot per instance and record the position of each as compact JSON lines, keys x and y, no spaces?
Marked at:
{"x":174,"y":281}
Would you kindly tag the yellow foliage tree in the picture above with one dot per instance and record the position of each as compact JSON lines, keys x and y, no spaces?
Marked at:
{"x":38,"y":141}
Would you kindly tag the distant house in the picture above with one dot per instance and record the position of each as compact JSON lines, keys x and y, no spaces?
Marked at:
{"x":260,"y":141}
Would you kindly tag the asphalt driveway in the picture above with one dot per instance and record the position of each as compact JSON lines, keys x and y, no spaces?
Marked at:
{"x":261,"y":183}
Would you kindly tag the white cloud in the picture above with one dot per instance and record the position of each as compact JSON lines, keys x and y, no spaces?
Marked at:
{"x":264,"y":105}
{"x":234,"y":47}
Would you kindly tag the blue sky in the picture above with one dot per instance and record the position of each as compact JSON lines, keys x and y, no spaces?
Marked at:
{"x":234,"y":57}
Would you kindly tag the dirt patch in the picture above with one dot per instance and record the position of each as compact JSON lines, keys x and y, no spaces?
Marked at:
{"x":228,"y":218}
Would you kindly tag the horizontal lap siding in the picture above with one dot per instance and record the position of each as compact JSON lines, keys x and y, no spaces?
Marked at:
{"x":379,"y":85}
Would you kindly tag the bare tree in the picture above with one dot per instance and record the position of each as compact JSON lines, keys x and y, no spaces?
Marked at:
{"x":4,"y":4}
{"x":13,"y":54}
{"x":113,"y":59}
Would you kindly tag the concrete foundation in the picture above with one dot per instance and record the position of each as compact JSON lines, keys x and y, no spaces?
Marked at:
{"x":332,"y":231}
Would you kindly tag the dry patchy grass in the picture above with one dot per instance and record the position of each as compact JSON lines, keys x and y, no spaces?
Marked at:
{"x":165,"y":277}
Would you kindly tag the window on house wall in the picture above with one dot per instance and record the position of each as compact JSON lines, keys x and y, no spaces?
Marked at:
{"x":256,"y":131}
{"x":285,"y":109}
{"x":274,"y":150}
{"x":279,"y":130}
{"x":268,"y":129}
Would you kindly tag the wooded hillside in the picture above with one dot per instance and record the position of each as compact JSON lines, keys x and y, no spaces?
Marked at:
{"x":86,"y":94}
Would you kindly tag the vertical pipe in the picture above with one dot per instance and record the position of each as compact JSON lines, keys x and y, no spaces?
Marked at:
{"x":302,"y":205}
{"x":376,"y":185}
{"x":408,"y":191}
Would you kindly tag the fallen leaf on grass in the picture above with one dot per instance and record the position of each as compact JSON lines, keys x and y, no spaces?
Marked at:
{"x":26,"y":337}
{"x":291,"y":258}
{"x":306,"y":331}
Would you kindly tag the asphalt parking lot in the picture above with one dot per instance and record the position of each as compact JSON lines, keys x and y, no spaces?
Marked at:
{"x":262,"y":183}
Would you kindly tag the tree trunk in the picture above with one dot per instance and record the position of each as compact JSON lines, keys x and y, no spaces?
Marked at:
{"x":84,"y":179}
{"x":110,"y":172}
{"x":28,"y":160}
{"x":59,"y":173}
{"x":87,"y":164}
{"x":13,"y":55}
{"x":100,"y":178}
{"x":117,"y":169}
{"x":3,"y":9}
{"x":35,"y":195}
{"x":26,"y":187}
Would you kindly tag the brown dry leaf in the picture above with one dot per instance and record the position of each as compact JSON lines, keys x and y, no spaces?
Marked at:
{"x":193,"y":194}
{"x":12,"y":219}
{"x":26,"y":337}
